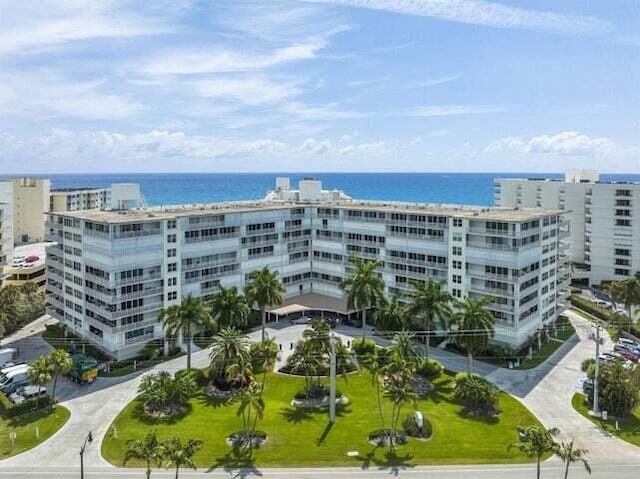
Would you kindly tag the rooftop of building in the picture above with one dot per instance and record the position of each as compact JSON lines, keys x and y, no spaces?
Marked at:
{"x":78,"y":189}
{"x":591,"y":177}
{"x":28,"y":257}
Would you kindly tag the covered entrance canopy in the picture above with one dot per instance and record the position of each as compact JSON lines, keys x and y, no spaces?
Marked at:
{"x":313,"y":305}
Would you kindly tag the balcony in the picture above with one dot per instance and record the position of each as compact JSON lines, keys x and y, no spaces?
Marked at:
{"x":121,"y":313}
{"x":139,"y":339}
{"x":138,"y":279}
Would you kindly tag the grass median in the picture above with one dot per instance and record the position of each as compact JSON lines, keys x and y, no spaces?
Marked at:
{"x":302,"y":438}
{"x":628,"y":427}
{"x":30,"y":429}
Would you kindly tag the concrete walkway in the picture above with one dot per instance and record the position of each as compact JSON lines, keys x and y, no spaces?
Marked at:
{"x":545,"y":390}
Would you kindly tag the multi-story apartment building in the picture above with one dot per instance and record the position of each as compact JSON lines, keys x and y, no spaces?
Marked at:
{"x":119,"y":196}
{"x":6,"y":235}
{"x":604,"y":216}
{"x":110,"y":273}
{"x":29,"y":203}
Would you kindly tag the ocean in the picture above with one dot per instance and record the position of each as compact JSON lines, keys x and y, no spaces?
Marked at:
{"x":178,"y":188}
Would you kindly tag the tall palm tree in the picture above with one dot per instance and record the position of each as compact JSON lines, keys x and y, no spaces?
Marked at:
{"x":179,"y":455}
{"x":570,"y":454}
{"x":183,"y":318}
{"x":264,"y":289}
{"x":39,"y":373}
{"x":229,"y":308}
{"x":404,"y":347}
{"x":535,"y":442}
{"x":391,"y":314}
{"x":475,"y":325}
{"x":364,"y":287}
{"x":229,"y":347}
{"x":147,"y":450}
{"x":251,"y":409}
{"x":398,"y":388}
{"x":373,"y":364}
{"x":630,"y":296}
{"x":429,"y":302}
{"x":60,"y":363}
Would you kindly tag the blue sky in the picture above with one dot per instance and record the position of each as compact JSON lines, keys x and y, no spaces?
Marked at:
{"x":327,"y":85}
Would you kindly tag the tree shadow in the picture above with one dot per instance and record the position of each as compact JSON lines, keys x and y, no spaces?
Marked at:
{"x":391,"y":460}
{"x":237,"y":463}
{"x":295,"y":415}
{"x":480,"y":418}
{"x":140,"y":415}
{"x":215,"y":403}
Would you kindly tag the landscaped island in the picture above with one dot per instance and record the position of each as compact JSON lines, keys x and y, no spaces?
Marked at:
{"x":301,"y":437}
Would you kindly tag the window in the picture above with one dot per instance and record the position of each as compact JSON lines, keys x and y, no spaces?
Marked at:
{"x":457,"y":279}
{"x":172,"y":295}
{"x":455,"y":264}
{"x":620,"y":222}
{"x":171,"y":253}
{"x":172,"y":282}
{"x":457,"y":222}
{"x":172,"y":224}
{"x":456,"y":250}
{"x":172,"y":238}
{"x":172,"y":267}
{"x":622,"y":272}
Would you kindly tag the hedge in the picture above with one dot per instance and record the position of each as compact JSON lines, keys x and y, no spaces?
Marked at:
{"x":10,"y":409}
{"x":590,"y":307}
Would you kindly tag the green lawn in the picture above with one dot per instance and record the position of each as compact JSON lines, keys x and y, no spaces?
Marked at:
{"x":629,"y":428}
{"x":46,"y":420}
{"x":301,"y":438}
{"x":540,"y":356}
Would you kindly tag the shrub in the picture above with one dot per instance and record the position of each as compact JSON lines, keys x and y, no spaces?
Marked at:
{"x":363,"y":346}
{"x":590,"y":307}
{"x":166,"y":394}
{"x":430,"y":368}
{"x":478,"y":395}
{"x":619,"y":389}
{"x":10,"y":409}
{"x":411,"y":428}
{"x":263,"y":356}
{"x":198,"y":376}
{"x":586,"y":364}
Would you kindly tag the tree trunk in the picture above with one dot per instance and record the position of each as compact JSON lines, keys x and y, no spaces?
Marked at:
{"x":53,"y":390}
{"x":566,"y":470}
{"x":538,"y":468}
{"x":364,"y":323}
{"x":263,"y":314}
{"x":177,"y":470}
{"x":380,"y":411}
{"x":630,"y":318}
{"x":189,"y":340}
{"x":469,"y":361}
{"x":148,"y":470}
{"x":428,"y":337}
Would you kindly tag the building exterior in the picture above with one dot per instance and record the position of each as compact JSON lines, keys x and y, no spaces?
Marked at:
{"x":604,"y":216}
{"x":110,"y":273}
{"x":27,"y":266}
{"x":118,"y":196}
{"x":6,"y":235}
{"x":29,"y":204}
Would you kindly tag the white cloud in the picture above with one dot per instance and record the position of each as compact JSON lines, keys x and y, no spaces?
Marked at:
{"x":490,"y":14}
{"x":42,"y":93}
{"x":365,"y":149}
{"x":451,"y":110}
{"x":435,"y":81}
{"x":27,"y":24}
{"x":566,"y":143}
{"x":249,"y":90}
{"x":319,"y":113}
{"x":315,"y":146}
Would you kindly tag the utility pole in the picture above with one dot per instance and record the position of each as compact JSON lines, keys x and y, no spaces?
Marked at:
{"x":332,"y":380}
{"x":596,"y":399}
{"x":89,"y":438}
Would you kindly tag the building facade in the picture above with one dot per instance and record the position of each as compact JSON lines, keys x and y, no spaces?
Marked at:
{"x":119,"y":196}
{"x":604,"y":216}
{"x":110,"y":273}
{"x":27,"y":266}
{"x":29,"y":204}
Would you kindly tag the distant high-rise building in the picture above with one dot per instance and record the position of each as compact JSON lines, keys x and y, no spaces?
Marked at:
{"x":29,"y":203}
{"x":604,"y":217}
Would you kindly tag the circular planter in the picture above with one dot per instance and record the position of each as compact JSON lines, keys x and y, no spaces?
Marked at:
{"x":237,"y":440}
{"x":318,"y":403}
{"x":380,"y":438}
{"x":220,"y":394}
{"x":422,"y":386}
{"x":164,"y":414}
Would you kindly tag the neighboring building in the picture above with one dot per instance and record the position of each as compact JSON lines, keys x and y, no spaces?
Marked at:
{"x":111,"y":272}
{"x":6,"y":235}
{"x":28,"y":266}
{"x":29,"y":203}
{"x":119,"y":196}
{"x":604,"y":216}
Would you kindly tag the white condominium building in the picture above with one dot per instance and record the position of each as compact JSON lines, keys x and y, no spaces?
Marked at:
{"x":120,"y":196}
{"x":112,"y":271}
{"x":604,"y":216}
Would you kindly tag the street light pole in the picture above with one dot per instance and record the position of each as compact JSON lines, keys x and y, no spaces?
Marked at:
{"x":596,"y":399}
{"x":332,"y":380}
{"x":89,"y":439}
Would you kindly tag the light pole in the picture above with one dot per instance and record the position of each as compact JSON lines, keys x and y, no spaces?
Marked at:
{"x":89,"y":439}
{"x":332,"y":380}
{"x":596,"y":401}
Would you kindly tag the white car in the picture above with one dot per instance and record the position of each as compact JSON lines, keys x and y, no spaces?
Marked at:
{"x":628,"y":343}
{"x":27,"y":392}
{"x":301,"y":320}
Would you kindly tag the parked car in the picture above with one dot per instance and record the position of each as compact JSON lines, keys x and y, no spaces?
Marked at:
{"x":587,"y":387}
{"x":301,"y":320}
{"x":14,"y":378}
{"x":355,"y":323}
{"x":606,"y":359}
{"x":26,"y":392}
{"x":11,"y":367}
{"x":628,"y":343}
{"x":630,"y":355}
{"x":8,"y":355}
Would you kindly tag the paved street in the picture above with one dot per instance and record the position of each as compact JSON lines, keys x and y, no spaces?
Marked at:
{"x":546,"y":390}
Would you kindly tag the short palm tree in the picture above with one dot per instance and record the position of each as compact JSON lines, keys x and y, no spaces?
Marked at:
{"x":178,"y":455}
{"x":251,"y":409}
{"x":429,"y":303}
{"x":536,"y":441}
{"x":373,"y":364}
{"x":398,"y":388}
{"x":475,"y":326}
{"x":364,"y":287}
{"x":147,"y":450}
{"x":39,"y":373}
{"x":60,"y":363}
{"x":570,"y":454}
{"x":264,"y":289}
{"x":183,"y":318}
{"x":404,"y":347}
{"x":229,"y":347}
{"x":229,"y":308}
{"x":391,"y":315}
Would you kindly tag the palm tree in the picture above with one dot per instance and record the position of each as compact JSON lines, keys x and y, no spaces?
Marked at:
{"x":475,"y":325}
{"x":372,"y":363}
{"x":39,"y":373}
{"x":147,"y":450}
{"x":178,"y":455}
{"x":570,"y":454}
{"x":229,"y":308}
{"x":630,"y":295}
{"x":264,"y":289}
{"x":364,"y":287}
{"x":182,"y":319}
{"x":535,"y":442}
{"x":404,"y":347}
{"x":228,"y":347}
{"x":308,"y":360}
{"x":429,"y":302}
{"x":399,"y":389}
{"x":60,"y":363}
{"x":391,"y":314}
{"x":251,"y":409}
